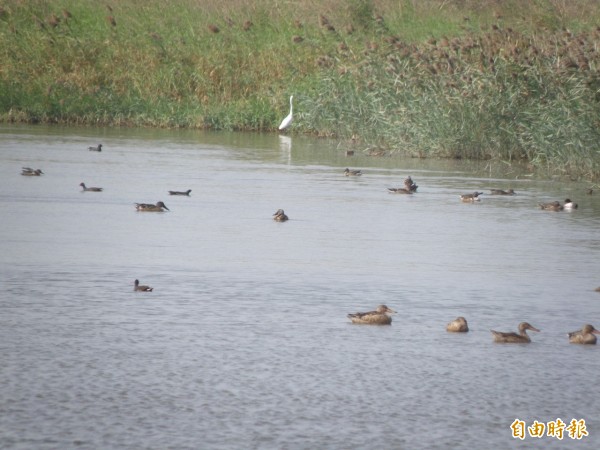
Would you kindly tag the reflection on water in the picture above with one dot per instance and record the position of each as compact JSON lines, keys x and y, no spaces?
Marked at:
{"x":244,"y":342}
{"x":285,"y":145}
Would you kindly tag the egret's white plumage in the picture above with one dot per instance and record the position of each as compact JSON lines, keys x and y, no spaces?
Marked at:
{"x":288,"y":119}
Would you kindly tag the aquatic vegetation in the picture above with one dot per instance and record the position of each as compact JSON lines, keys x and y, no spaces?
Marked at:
{"x":510,"y":81}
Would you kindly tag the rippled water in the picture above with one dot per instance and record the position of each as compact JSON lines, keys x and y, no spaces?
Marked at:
{"x":244,"y":342}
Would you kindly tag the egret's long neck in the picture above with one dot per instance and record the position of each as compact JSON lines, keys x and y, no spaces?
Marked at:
{"x":291,"y":105}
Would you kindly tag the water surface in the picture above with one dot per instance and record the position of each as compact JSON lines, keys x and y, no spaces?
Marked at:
{"x":244,"y":342}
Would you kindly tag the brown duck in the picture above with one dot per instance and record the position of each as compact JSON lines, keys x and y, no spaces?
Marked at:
{"x":149,"y":207}
{"x":470,"y":198}
{"x":552,"y":206}
{"x":280,"y":216}
{"x":458,"y":325}
{"x":352,"y":173}
{"x":378,"y":317}
{"x":502,"y":192}
{"x":510,"y":337}
{"x":584,"y":336}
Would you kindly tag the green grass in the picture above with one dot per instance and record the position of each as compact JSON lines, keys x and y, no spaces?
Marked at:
{"x":507,"y":81}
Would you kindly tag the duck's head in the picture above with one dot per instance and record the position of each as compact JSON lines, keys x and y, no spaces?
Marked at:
{"x":588,"y":328}
{"x":383,"y":309}
{"x":162,"y":205}
{"x":523,"y":326}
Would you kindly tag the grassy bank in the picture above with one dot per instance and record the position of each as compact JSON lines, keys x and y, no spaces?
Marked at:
{"x":504,"y":80}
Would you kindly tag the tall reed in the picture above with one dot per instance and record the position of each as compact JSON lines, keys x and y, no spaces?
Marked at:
{"x":510,"y":81}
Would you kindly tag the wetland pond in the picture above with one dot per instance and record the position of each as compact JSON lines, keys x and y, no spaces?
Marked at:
{"x":244,"y":342}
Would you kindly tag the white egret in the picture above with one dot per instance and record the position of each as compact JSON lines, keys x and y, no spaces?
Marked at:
{"x":288,"y":119}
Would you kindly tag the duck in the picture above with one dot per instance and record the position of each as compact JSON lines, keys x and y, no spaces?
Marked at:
{"x":149,"y":207}
{"x":569,"y":204}
{"x":502,"y":192}
{"x":280,"y":216}
{"x":90,"y":189}
{"x":584,"y":336}
{"x":97,"y":148}
{"x":353,"y":173}
{"x":552,"y":206}
{"x":515,"y":338}
{"x":180,"y":192}
{"x":400,"y":191}
{"x":410,"y":184}
{"x":378,"y":317}
{"x":470,"y":198}
{"x":140,"y":287}
{"x":29,"y":172}
{"x":458,"y":325}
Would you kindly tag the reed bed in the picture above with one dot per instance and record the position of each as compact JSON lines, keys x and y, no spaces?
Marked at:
{"x":509,"y":81}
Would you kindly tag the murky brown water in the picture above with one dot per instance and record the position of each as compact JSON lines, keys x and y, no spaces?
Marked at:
{"x":244,"y":342}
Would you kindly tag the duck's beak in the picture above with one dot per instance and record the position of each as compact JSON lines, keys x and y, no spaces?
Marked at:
{"x":595,"y":331}
{"x":534,"y":329}
{"x":391,"y":311}
{"x":165,"y":206}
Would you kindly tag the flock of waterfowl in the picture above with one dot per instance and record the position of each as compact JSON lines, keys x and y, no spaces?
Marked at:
{"x":145,"y":207}
{"x":381,"y":316}
{"x":410,"y":187}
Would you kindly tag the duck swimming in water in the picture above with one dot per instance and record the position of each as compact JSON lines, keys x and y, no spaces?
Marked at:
{"x":569,"y":204}
{"x":471,"y":198}
{"x":140,"y":287}
{"x":352,"y":173}
{"x":410,"y":184}
{"x":280,"y":216}
{"x":552,"y":206}
{"x":378,"y":317}
{"x":29,"y":172}
{"x":501,"y":192}
{"x":400,"y":191}
{"x":98,"y":148}
{"x":90,"y":189}
{"x":458,"y":325}
{"x":149,"y":207}
{"x":515,"y":338}
{"x":584,"y":336}
{"x":180,"y":192}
